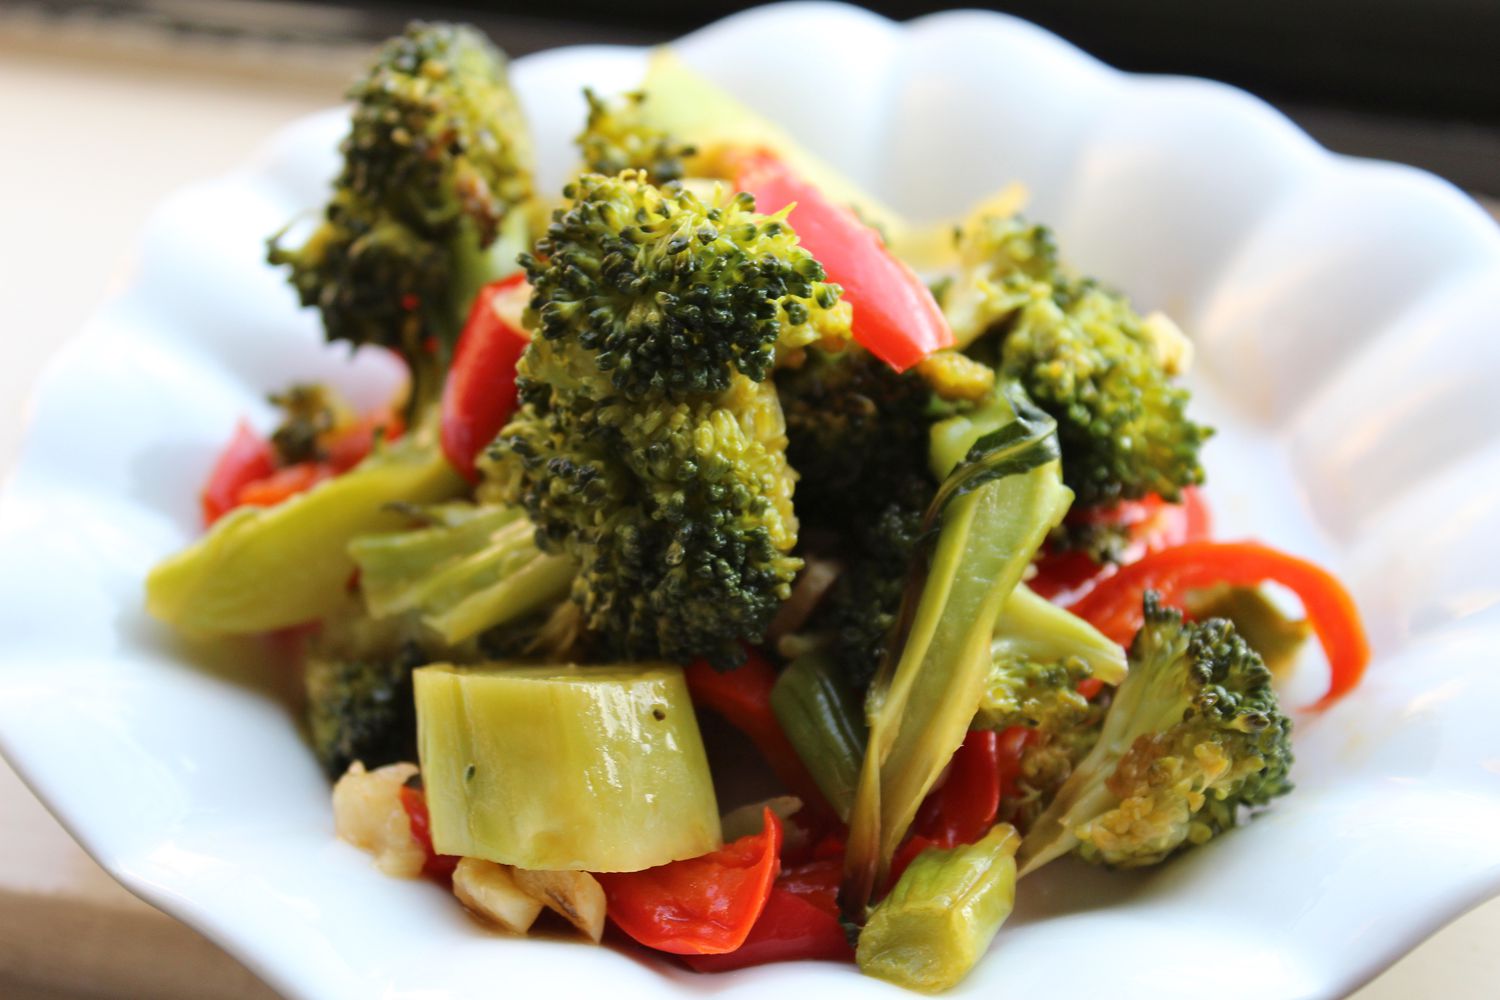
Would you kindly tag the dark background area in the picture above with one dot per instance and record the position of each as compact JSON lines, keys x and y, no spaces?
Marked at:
{"x":1410,"y":80}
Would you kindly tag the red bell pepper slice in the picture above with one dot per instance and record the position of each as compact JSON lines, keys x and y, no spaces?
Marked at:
{"x":1154,"y":525}
{"x":1114,"y":605}
{"x":963,"y":807}
{"x":246,"y":458}
{"x":895,"y":316}
{"x":800,"y":921}
{"x":743,"y":697}
{"x":438,"y":866}
{"x":480,"y":393}
{"x":699,"y":906}
{"x":285,"y":482}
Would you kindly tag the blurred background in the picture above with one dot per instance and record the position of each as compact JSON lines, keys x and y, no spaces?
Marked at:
{"x":108,"y":107}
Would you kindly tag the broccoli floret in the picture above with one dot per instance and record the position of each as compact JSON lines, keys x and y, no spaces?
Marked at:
{"x":357,"y":678}
{"x":1039,"y":656}
{"x":436,"y":163}
{"x":857,"y":433}
{"x":1086,"y":357}
{"x":1193,"y":735}
{"x":649,"y":445}
{"x":617,"y":138}
{"x":309,"y":414}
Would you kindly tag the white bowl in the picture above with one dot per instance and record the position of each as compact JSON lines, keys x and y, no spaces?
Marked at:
{"x":1345,"y":317}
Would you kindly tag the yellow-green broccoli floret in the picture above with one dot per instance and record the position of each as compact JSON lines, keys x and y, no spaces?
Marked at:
{"x":1194,"y":735}
{"x":616,"y":137}
{"x":436,"y":163}
{"x":1084,"y":356}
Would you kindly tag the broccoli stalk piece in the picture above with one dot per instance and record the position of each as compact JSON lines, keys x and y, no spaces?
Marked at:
{"x":1084,"y":356}
{"x":468,"y":569}
{"x":437,"y":164}
{"x":1193,"y":735}
{"x":649,"y":445}
{"x":1001,"y":494}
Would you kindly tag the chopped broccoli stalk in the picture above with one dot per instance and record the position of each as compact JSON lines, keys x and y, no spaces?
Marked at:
{"x":649,"y":445}
{"x":941,"y":916}
{"x":1277,"y":638}
{"x":1084,"y":356}
{"x":471,"y":568}
{"x":992,"y":513}
{"x":1194,"y":734}
{"x":1033,"y":628}
{"x":260,"y":569}
{"x":617,"y":137}
{"x":822,"y":717}
{"x":437,"y":164}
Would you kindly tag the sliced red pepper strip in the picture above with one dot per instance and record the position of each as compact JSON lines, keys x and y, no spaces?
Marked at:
{"x":246,"y":458}
{"x":743,"y":697}
{"x":895,"y":316}
{"x":700,"y":906}
{"x":349,"y":446}
{"x":1009,"y":747}
{"x":963,"y":807}
{"x":791,"y":927}
{"x":1114,"y":605}
{"x":284,"y":482}
{"x":438,"y":866}
{"x":1154,"y":525}
{"x":480,"y":393}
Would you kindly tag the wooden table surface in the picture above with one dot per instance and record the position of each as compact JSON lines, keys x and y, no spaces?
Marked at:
{"x":154,"y":122}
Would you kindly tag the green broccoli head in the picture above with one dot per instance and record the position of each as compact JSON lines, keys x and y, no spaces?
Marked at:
{"x":1102,"y":371}
{"x":1096,"y":366}
{"x":436,"y":162}
{"x":1193,"y":735}
{"x":617,"y":138}
{"x":857,"y":436}
{"x":667,"y":294}
{"x":362,"y":709}
{"x":649,"y":444}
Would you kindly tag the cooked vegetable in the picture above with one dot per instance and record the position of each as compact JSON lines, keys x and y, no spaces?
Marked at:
{"x":1278,"y":638}
{"x":800,"y":921}
{"x":1001,"y":494}
{"x":941,"y":916}
{"x":822,"y":717}
{"x":490,"y":892}
{"x":247,"y":457}
{"x":597,"y":769}
{"x":895,"y":316}
{"x":359,"y":693}
{"x":471,"y":568}
{"x":742,"y":697}
{"x":857,"y":435}
{"x":437,"y":162}
{"x":1194,"y":735}
{"x":574,"y":896}
{"x":702,"y":905}
{"x":618,"y":137}
{"x":264,"y":569}
{"x":480,"y":392}
{"x":647,"y":445}
{"x":435,"y":865}
{"x":367,"y":813}
{"x":1114,"y":606}
{"x":1085,"y":357}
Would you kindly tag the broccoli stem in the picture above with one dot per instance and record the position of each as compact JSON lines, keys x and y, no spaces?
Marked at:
{"x":820,"y":714}
{"x":993,"y":512}
{"x":942,"y":914}
{"x":1033,"y":628}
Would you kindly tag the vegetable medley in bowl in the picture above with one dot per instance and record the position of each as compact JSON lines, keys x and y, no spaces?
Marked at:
{"x":710,"y":438}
